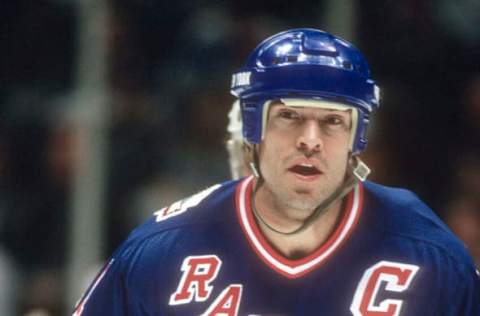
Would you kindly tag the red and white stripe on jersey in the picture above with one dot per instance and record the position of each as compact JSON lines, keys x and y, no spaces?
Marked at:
{"x":295,"y":268}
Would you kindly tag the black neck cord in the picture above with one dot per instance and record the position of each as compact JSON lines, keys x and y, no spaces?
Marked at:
{"x":339,"y":193}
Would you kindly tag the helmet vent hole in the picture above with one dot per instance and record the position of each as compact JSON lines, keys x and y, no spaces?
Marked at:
{"x":347,"y":65}
{"x":291,"y":59}
{"x":276,"y":60}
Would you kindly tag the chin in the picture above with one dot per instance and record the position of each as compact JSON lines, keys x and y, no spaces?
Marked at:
{"x":306,"y":205}
{"x":308,"y":191}
{"x":305,"y":199}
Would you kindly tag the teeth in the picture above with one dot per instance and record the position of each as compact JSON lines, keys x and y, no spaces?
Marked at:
{"x":306,"y":165}
{"x":305,"y":169}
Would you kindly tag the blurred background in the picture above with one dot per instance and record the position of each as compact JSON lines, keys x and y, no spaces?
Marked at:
{"x":110,"y":110}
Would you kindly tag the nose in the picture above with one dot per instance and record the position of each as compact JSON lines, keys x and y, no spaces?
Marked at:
{"x":309,"y":141}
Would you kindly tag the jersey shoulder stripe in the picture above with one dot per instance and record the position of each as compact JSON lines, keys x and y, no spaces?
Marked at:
{"x":197,"y":209}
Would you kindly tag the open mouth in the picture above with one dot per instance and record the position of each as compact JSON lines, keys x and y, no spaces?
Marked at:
{"x":305,"y":170}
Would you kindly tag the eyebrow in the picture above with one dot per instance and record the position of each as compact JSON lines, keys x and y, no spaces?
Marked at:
{"x":282,"y":106}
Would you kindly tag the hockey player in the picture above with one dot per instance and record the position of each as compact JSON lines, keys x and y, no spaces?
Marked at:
{"x":305,"y":234}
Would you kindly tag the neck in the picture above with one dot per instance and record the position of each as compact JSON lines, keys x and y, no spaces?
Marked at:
{"x":284,"y":219}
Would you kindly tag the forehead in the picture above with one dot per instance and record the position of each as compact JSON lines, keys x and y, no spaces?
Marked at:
{"x":309,"y":106}
{"x":319,"y":108}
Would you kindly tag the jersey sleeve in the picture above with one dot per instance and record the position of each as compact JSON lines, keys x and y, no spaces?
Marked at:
{"x":106,"y":295}
{"x":469,"y":296}
{"x":141,"y":275}
{"x":131,"y":283}
{"x":123,"y":287}
{"x":461,"y":295}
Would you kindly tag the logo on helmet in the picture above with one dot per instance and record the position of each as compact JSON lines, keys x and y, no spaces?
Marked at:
{"x":241,"y":79}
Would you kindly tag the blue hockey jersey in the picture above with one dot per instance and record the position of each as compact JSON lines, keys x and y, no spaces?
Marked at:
{"x":205,"y":255}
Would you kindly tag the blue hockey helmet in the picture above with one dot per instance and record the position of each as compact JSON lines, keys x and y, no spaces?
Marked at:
{"x":305,"y":64}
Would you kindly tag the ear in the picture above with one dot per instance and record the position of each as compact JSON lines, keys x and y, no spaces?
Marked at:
{"x":251,"y":158}
{"x":248,"y":150}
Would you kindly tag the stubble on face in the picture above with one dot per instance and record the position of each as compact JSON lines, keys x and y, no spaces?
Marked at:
{"x":287,"y":194}
{"x":294,"y":199}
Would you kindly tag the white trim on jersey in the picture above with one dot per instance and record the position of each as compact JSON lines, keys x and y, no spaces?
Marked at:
{"x":285,"y":266}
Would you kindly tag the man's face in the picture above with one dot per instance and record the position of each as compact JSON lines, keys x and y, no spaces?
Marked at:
{"x":304,"y":154}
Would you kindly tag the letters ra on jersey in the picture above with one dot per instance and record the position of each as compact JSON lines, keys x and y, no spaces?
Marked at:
{"x":204,"y":255}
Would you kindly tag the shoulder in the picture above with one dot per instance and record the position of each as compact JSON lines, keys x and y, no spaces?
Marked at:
{"x":400,"y":214}
{"x":391,"y":196}
{"x":194,"y":212}
{"x":186,"y":228}
{"x":400,"y":211}
{"x":405,"y":229}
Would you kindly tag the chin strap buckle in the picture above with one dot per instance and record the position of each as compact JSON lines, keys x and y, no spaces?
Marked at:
{"x":360,"y":169}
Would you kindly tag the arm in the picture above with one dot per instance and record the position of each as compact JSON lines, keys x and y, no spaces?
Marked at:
{"x":461,"y":295}
{"x":124,"y":286}
{"x":106,"y":294}
{"x":469,"y":296}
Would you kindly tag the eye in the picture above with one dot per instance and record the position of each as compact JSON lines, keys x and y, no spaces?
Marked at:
{"x":289,"y":115}
{"x":336,"y":122}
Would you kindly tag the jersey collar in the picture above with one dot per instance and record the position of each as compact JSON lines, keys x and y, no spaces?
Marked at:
{"x":295,"y":268}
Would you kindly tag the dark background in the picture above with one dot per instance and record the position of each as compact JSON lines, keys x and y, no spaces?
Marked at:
{"x":169,"y":74}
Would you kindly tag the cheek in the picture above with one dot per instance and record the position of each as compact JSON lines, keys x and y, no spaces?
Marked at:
{"x":271,"y":153}
{"x":266,"y":154}
{"x":338,"y":154}
{"x":341,"y":156}
{"x":338,"y":146}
